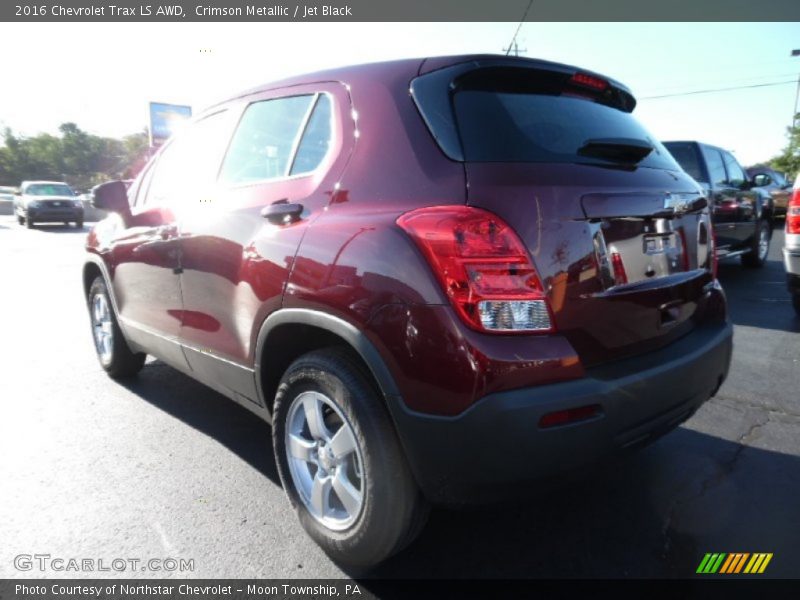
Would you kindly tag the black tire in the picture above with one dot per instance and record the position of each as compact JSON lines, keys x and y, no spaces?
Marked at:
{"x":123,"y":362}
{"x":20,"y":220}
{"x":79,"y":224}
{"x":29,"y":223}
{"x":757,"y":258}
{"x":796,"y":303}
{"x":393,"y":510}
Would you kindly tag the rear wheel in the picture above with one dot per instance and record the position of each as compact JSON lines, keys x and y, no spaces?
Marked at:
{"x":79,"y":224}
{"x":759,"y":248}
{"x":113,"y":352}
{"x":20,"y":220}
{"x":28,"y":222}
{"x":341,"y":463}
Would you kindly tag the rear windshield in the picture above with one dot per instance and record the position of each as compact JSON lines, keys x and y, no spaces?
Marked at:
{"x":531,"y":115}
{"x":686,"y":155}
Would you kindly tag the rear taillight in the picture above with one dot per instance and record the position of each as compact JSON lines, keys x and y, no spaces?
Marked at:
{"x":483,"y":267}
{"x":793,"y":213}
{"x":620,"y":276}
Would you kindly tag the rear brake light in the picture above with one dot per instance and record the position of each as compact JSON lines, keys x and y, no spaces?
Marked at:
{"x":483,"y":267}
{"x":589,"y":81}
{"x":793,"y":213}
{"x":620,"y":276}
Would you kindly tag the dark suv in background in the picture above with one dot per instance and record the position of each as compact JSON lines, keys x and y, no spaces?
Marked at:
{"x":437,"y":279}
{"x":742,"y":212}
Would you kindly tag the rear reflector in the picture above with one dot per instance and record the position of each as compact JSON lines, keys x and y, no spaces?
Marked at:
{"x":483,"y":267}
{"x":571,"y":415}
{"x":793,"y":213}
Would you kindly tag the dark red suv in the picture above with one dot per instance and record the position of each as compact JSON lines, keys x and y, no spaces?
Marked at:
{"x":436,"y":278}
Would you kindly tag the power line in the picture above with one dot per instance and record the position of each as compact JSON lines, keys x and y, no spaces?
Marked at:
{"x":513,"y":43}
{"x":712,"y":91}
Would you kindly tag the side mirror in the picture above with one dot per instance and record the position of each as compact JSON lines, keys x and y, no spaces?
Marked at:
{"x":761,"y":180}
{"x":111,"y":196}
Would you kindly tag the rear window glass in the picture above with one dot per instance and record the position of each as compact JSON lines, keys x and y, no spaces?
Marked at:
{"x":687,"y":157}
{"x":514,"y":110}
{"x":497,"y":126}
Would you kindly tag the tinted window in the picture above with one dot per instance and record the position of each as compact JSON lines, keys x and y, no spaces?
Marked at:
{"x":316,"y":138}
{"x":265,"y":139}
{"x":498,"y":126}
{"x":686,"y":155}
{"x":716,"y":168}
{"x":187,"y":167}
{"x":736,"y":175}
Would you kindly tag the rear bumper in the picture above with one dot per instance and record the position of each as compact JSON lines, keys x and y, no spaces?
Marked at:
{"x":483,"y":453}
{"x":791,"y":259}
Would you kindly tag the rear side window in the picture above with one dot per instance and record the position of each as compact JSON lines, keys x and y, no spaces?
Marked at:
{"x":716,"y":168}
{"x":531,"y":115}
{"x":277,"y":138}
{"x":316,"y":138}
{"x":688,"y":158}
{"x":736,"y":176}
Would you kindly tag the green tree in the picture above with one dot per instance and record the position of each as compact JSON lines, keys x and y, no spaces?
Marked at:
{"x":788,"y":161}
{"x":75,"y":156}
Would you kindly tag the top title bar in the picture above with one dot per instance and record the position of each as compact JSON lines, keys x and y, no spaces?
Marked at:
{"x":397,"y":10}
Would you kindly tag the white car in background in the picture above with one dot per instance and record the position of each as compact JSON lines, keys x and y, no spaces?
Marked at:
{"x":791,"y":249}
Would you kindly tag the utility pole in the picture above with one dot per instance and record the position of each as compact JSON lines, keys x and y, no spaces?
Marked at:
{"x":796,"y":52}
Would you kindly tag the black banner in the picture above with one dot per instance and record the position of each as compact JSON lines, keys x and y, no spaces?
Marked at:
{"x":397,"y":10}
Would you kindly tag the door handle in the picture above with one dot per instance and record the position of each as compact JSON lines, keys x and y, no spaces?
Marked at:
{"x":282,"y":212}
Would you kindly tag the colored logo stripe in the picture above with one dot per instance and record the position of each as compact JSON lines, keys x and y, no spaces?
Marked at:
{"x":734,"y":562}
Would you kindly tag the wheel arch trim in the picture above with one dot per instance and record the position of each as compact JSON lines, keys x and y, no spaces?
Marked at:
{"x":339,"y":327}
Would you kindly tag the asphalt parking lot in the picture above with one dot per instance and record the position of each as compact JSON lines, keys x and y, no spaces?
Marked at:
{"x":164,"y":467}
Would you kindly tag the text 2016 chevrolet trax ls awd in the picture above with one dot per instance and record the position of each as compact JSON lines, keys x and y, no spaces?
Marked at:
{"x":436,"y":279}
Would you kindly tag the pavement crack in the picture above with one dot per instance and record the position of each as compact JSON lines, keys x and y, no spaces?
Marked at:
{"x":718,"y":475}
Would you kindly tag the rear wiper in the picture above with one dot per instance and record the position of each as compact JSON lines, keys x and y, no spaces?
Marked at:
{"x":626,"y":150}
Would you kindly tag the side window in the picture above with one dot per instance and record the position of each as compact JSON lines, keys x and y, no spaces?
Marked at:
{"x":736,"y":176}
{"x":716,"y":168}
{"x":265,"y":139}
{"x":686,"y":155}
{"x":188,"y":166}
{"x":316,"y":138}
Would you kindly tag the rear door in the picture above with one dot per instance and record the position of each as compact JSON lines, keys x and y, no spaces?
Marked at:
{"x":286,"y":152}
{"x":725,"y":200}
{"x":746,"y":199}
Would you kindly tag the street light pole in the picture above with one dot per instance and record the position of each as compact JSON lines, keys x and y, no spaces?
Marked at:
{"x":796,"y":52}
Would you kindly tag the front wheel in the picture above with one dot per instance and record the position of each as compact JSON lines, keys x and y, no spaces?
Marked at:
{"x":759,"y":248}
{"x":20,"y":219}
{"x":341,"y":463}
{"x":113,"y":352}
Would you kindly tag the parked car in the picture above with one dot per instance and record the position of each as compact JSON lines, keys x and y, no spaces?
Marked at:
{"x":438,"y":279}
{"x":775,"y":184}
{"x":47,"y":201}
{"x":7,"y":193}
{"x":791,"y":249}
{"x":741,"y":213}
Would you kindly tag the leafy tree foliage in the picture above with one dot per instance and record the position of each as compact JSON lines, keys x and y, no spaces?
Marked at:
{"x":75,"y":156}
{"x":788,"y":161}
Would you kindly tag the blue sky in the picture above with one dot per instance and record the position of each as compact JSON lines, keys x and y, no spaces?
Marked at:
{"x":103,"y":75}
